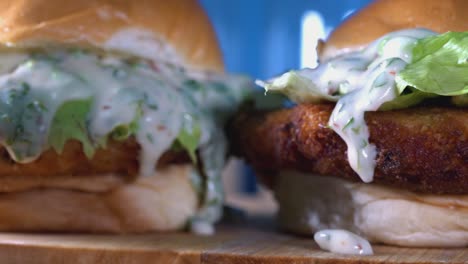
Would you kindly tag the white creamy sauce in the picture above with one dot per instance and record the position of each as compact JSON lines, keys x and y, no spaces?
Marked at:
{"x":202,"y":228}
{"x":359,"y":81}
{"x":144,"y":44}
{"x":342,"y":242}
{"x":347,"y":119}
{"x":152,"y":101}
{"x":117,"y":90}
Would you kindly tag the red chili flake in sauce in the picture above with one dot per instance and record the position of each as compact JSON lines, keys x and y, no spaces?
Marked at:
{"x":161,"y":128}
{"x":154,"y":66}
{"x":106,"y":107}
{"x":393,"y":73}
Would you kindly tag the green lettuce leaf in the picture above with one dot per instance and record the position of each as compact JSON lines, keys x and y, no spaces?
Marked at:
{"x":439,"y":65}
{"x":406,"y":100}
{"x":298,"y":88}
{"x":189,"y":137}
{"x":70,"y":123}
{"x":123,"y":131}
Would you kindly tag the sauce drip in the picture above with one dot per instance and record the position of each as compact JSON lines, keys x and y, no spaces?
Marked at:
{"x":342,"y":242}
{"x":154,"y":101}
{"x":359,"y":82}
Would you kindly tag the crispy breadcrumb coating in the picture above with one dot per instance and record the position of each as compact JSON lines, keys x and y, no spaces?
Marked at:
{"x":423,"y":149}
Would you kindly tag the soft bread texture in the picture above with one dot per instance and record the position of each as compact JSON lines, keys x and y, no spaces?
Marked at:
{"x":176,"y":31}
{"x":381,"y":214}
{"x":384,"y":16}
{"x":163,"y":202}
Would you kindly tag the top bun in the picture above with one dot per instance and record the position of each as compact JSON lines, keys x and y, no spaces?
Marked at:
{"x":384,"y":16}
{"x":174,"y":31}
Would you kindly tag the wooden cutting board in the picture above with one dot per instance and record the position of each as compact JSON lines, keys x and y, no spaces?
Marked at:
{"x":231,"y":244}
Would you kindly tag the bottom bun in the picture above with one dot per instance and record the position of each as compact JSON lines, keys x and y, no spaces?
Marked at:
{"x":309,"y":203}
{"x":163,"y":202}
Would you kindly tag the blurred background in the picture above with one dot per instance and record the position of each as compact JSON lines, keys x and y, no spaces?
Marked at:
{"x":263,"y":38}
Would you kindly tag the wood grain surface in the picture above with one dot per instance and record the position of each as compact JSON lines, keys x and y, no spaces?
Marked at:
{"x":231,"y":244}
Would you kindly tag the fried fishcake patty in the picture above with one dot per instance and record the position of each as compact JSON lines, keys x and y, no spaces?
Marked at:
{"x":422,"y":149}
{"x":115,"y":164}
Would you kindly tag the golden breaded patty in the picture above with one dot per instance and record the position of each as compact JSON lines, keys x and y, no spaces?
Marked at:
{"x":422,"y":149}
{"x":118,"y":157}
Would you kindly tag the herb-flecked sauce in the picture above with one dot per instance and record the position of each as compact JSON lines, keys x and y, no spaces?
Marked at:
{"x":358,"y":81}
{"x":118,"y":96}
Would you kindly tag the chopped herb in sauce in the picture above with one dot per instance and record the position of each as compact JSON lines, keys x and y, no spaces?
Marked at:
{"x":51,"y":96}
{"x":371,"y":80}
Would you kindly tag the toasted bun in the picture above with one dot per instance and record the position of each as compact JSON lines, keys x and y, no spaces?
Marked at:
{"x":162,"y":202}
{"x":176,"y":31}
{"x":381,"y":214}
{"x":384,"y":16}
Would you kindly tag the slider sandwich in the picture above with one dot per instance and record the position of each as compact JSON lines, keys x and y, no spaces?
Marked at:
{"x":376,"y":142}
{"x":111,"y":116}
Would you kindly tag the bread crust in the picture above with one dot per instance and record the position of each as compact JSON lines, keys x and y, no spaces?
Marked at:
{"x":163,"y":202}
{"x":384,"y":16}
{"x":176,"y":31}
